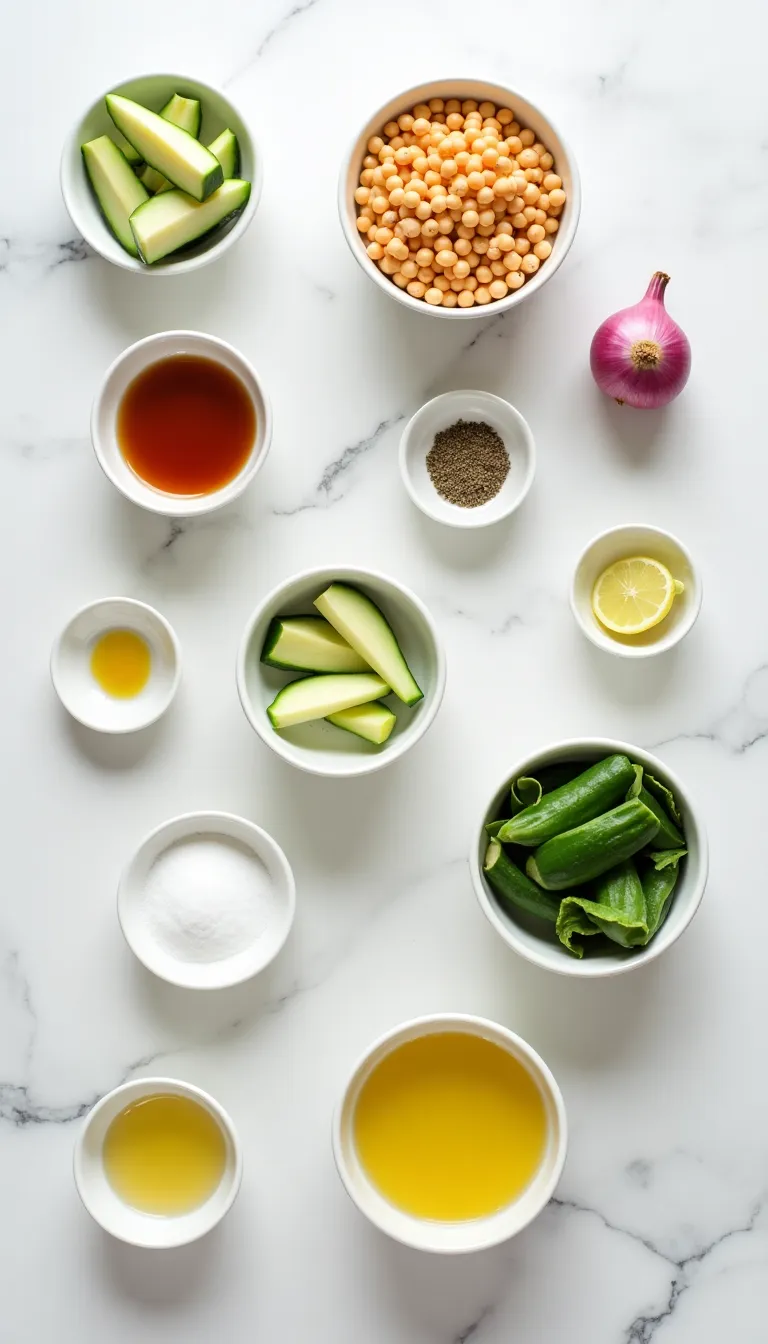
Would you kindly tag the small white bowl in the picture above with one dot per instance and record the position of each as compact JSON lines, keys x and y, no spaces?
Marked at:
{"x":476,"y":1234}
{"x":530,"y":115}
{"x":319,"y":747}
{"x":120,"y":1219}
{"x":81,"y":694}
{"x":153,"y":91}
{"x":205,"y":974}
{"x":620,"y":543}
{"x":534,"y":940}
{"x":122,"y":372}
{"x":443,"y":411}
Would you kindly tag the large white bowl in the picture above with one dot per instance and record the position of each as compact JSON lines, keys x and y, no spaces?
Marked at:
{"x":319,"y":747}
{"x":116,"y":381}
{"x":474,"y":1234}
{"x":533,"y":939}
{"x":120,"y":1219}
{"x":153,"y":91}
{"x":532,"y":116}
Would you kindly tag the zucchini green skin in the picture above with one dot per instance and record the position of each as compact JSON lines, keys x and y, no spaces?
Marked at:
{"x":668,"y":836}
{"x":618,"y":906}
{"x":658,"y":890}
{"x":593,"y":792}
{"x":587,"y":851}
{"x":492,"y":828}
{"x":524,"y":792}
{"x":514,"y":889}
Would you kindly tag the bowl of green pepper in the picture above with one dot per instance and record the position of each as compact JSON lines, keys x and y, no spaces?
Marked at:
{"x":591,"y":858}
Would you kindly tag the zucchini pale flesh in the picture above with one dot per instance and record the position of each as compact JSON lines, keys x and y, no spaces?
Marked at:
{"x":309,"y":644}
{"x":362,"y":625}
{"x":514,"y":889}
{"x":373,"y":722}
{"x":183,"y":112}
{"x":115,"y":186}
{"x":591,"y":793}
{"x":585,"y":852}
{"x":318,"y":697}
{"x":173,"y":152}
{"x":171,"y":220}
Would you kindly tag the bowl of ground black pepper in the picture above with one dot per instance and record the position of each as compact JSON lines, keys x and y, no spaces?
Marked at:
{"x":467,"y":458}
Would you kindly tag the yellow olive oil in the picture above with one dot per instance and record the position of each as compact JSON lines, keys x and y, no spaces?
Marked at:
{"x":450,"y":1127}
{"x":164,"y":1154}
{"x":121,"y":663}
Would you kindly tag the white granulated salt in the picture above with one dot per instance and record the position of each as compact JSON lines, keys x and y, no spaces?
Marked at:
{"x":208,"y":898}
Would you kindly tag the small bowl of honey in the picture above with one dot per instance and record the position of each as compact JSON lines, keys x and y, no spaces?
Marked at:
{"x":116,"y":665}
{"x":158,"y":1163}
{"x":181,"y":424}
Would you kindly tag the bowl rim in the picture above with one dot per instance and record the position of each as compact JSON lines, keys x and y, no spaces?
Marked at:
{"x":527,"y":290}
{"x":157,"y":501}
{"x":641,"y":650}
{"x":139,"y":1087}
{"x":570,"y":966}
{"x":218,"y":245}
{"x":155,"y":615}
{"x":476,"y":1025}
{"x":468,"y":518}
{"x":361,"y":765}
{"x":192,"y":821}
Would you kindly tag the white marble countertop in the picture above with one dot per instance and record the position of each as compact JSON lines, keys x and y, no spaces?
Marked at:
{"x":660,"y":1228}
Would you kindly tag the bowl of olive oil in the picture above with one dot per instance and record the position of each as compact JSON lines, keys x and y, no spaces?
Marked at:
{"x":451,"y":1134}
{"x":157,"y":1163}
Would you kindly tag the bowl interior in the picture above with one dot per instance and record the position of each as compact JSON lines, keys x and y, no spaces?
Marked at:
{"x":232,"y":970}
{"x":618,"y":544}
{"x":153,"y":91}
{"x":109,"y":1210}
{"x":439,"y":414}
{"x":319,"y":746}
{"x":537,"y":941}
{"x":529,"y":115}
{"x":81,"y":694}
{"x":105,"y":415}
{"x":477,"y":1233}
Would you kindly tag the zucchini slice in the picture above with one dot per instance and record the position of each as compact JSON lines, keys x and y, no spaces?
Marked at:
{"x":116,"y":187}
{"x":173,"y":152}
{"x":317,"y":697}
{"x":373,"y":721}
{"x":360,"y":622}
{"x":169,"y":221}
{"x":227,"y":151}
{"x":183,"y":112}
{"x":309,"y":644}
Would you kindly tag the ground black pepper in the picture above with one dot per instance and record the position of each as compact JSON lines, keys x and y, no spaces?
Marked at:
{"x":468,"y":463}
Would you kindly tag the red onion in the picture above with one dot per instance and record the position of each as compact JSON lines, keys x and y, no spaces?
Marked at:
{"x":639,"y":355}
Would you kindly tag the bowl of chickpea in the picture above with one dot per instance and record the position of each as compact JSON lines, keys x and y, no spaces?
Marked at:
{"x":459,"y":197}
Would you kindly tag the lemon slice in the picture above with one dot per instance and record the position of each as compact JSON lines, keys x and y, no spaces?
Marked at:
{"x":633,"y":595}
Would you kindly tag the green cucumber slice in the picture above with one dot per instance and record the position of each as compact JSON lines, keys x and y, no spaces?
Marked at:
{"x":514,"y":889}
{"x":588,"y":795}
{"x":309,"y":644}
{"x":227,"y":151}
{"x":373,"y":721}
{"x":587,"y":851}
{"x":116,"y":187}
{"x":363,"y":626}
{"x":668,"y":836}
{"x":173,"y":152}
{"x":317,"y":697}
{"x":169,"y":221}
{"x":187,"y":114}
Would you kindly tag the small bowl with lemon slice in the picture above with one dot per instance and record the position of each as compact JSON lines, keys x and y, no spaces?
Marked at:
{"x":635,"y":591}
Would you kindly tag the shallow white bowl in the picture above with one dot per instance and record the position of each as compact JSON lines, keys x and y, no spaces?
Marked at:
{"x":153,"y":91}
{"x":527,"y":113}
{"x":319,"y":747}
{"x":199,"y":974}
{"x":620,"y":543}
{"x":129,"y":1224}
{"x":474,"y":1234}
{"x":104,"y":414}
{"x":443,"y":411}
{"x":81,"y":694}
{"x":533,"y":939}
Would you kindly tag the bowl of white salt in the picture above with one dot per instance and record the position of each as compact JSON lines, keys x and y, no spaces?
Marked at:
{"x":207,"y":900}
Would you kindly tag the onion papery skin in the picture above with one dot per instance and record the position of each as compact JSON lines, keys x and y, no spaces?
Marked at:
{"x":640,"y":356}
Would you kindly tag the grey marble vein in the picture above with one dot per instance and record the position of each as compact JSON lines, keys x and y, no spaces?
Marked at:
{"x":19,"y":1108}
{"x":20,"y":989}
{"x":17,"y":254}
{"x":324,"y":492}
{"x":470,"y":1331}
{"x":739,"y":728}
{"x":294,"y":13}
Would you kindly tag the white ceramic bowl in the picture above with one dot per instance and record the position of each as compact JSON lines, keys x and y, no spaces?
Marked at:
{"x":534,"y":940}
{"x":474,"y":1234}
{"x":153,"y":91}
{"x":158,"y":957}
{"x":319,"y":747}
{"x":104,"y":415}
{"x":120,"y":1219}
{"x":617,"y":544}
{"x":529,"y":115}
{"x":441,"y":412}
{"x":81,"y":694}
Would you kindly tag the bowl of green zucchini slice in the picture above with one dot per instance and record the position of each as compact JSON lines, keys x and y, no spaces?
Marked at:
{"x":340,"y":671}
{"x":161,"y":175}
{"x":591,"y":859}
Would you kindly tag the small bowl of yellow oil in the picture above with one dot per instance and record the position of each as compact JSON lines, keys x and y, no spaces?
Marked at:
{"x":451,"y":1134}
{"x":158,"y":1163}
{"x":116,"y":665}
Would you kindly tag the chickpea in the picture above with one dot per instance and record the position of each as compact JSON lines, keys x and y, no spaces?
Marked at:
{"x":422,"y":124}
{"x":556,"y":199}
{"x":485,"y":196}
{"x":461,"y":269}
{"x":426,"y":274}
{"x":370,"y":161}
{"x":429,"y":228}
{"x":445,"y":224}
{"x":425,"y":256}
{"x":515,"y":279}
{"x":543,"y":203}
{"x":522,"y":246}
{"x":535,"y":234}
{"x":364,"y":223}
{"x":474,"y":259}
{"x":505,"y":243}
{"x":375,"y":251}
{"x":470,"y":218}
{"x":405,"y":122}
{"x":527,"y":137}
{"x":411,"y":198}
{"x":434,"y":296}
{"x":366,"y":177}
{"x":416,"y":289}
{"x":470,"y":283}
{"x":546,"y":161}
{"x":409,"y":269}
{"x":388,"y":265}
{"x":482,"y":295}
{"x":484,"y":275}
{"x":528,"y":158}
{"x":534,"y":175}
{"x":450,"y":299}
{"x":433,"y":179}
{"x":480,"y":245}
{"x":530,"y":264}
{"x":469,"y":105}
{"x":512,"y":261}
{"x":514,"y":145}
{"x":397,"y":249}
{"x":423,"y":210}
{"x":487,"y":219}
{"x":504,"y":116}
{"x":497,"y":268}
{"x":396,"y":142}
{"x":446,"y":258}
{"x":552,"y":182}
{"x":490,"y":157}
{"x":452,"y":201}
{"x":400,"y":280}
{"x":462,"y":161}
{"x":529,"y":214}
{"x":551,"y":226}
{"x":542,"y":250}
{"x":465,"y":299}
{"x":411,"y":228}
{"x":532,"y":194}
{"x":497,"y":289}
{"x":383,"y":236}
{"x":389,"y":219}
{"x":396,"y":197}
